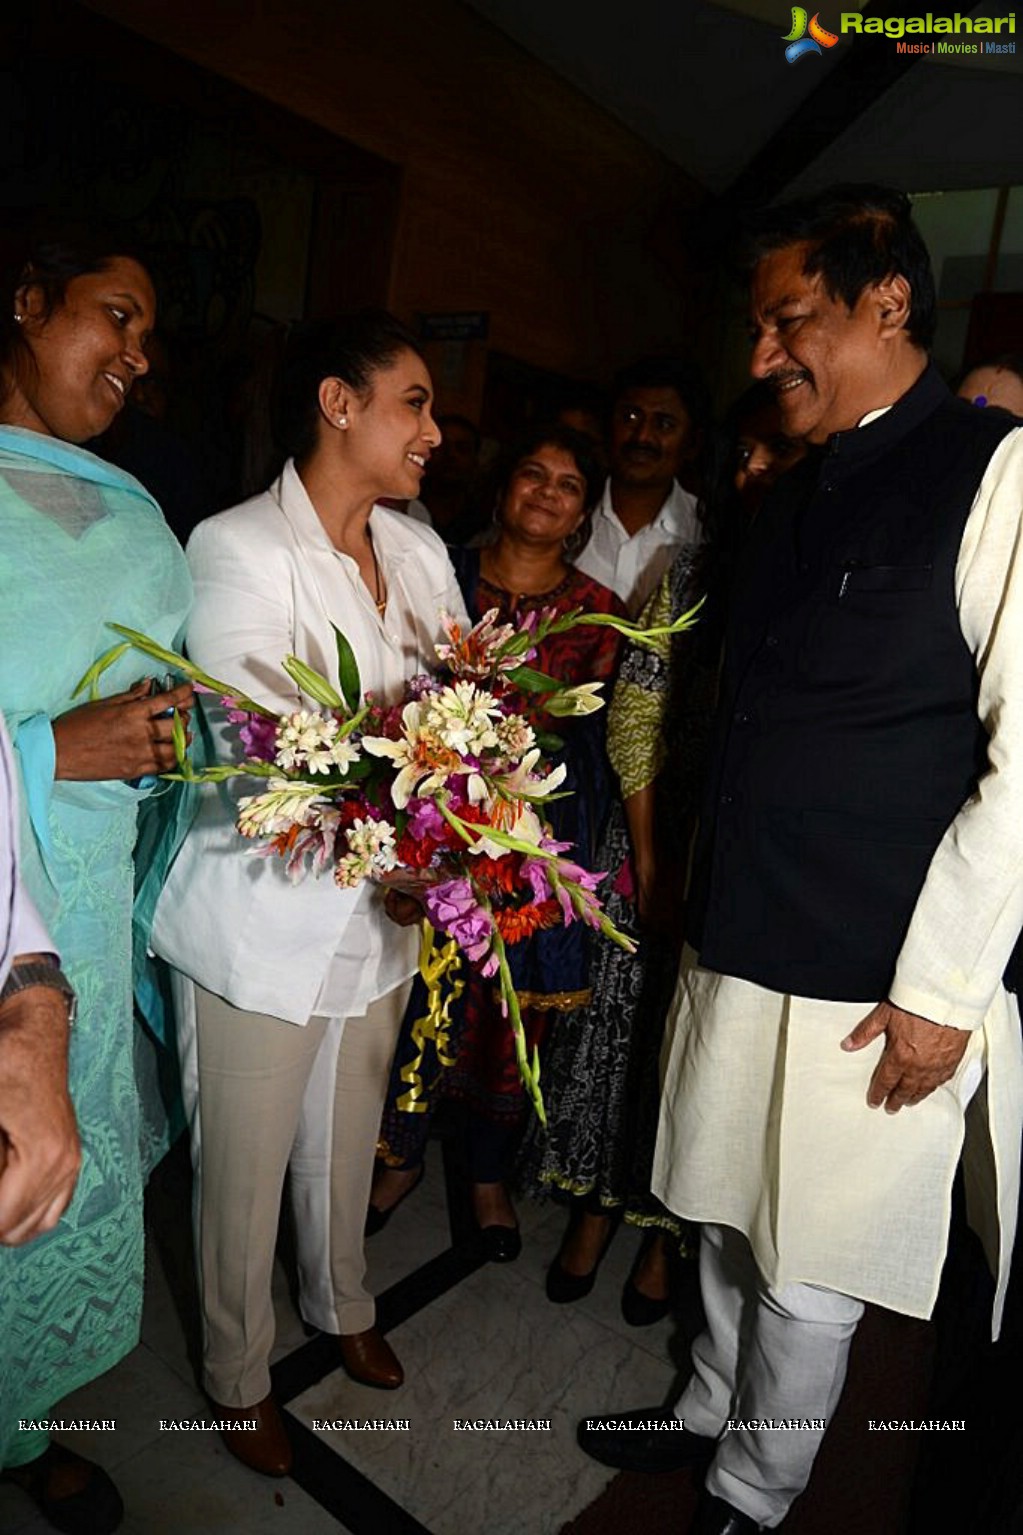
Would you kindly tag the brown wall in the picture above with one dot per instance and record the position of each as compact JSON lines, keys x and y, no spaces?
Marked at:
{"x":517,"y":196}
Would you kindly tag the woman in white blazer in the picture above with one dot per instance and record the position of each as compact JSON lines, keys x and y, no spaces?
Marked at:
{"x":290,"y":997}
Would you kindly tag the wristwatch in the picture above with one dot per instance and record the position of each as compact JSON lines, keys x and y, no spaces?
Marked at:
{"x":41,"y":973}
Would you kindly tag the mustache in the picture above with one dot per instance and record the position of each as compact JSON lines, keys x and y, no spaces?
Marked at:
{"x":782,"y":376}
{"x":639,"y":450}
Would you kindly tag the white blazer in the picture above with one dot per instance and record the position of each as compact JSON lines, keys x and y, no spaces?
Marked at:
{"x":269,"y":583}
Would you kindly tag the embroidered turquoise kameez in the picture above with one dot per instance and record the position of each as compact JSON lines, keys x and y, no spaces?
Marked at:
{"x":81,"y":543}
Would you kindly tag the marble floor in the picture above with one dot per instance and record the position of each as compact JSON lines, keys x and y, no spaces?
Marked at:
{"x":478,"y":1342}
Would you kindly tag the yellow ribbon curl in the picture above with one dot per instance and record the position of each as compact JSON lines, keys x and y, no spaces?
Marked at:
{"x":437,"y":964}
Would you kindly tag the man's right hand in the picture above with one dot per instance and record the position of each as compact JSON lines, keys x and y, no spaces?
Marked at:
{"x":40,"y":1154}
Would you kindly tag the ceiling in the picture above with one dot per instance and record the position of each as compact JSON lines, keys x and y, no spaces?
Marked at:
{"x":708,"y":85}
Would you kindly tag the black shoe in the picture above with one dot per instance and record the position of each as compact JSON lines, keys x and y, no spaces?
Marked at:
{"x":641,"y":1310}
{"x":648,"y":1439}
{"x":376,"y":1219}
{"x":563,"y":1288}
{"x":500,"y":1244}
{"x":716,"y":1517}
{"x":95,"y":1509}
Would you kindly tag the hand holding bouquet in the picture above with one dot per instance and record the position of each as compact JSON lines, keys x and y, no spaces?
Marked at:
{"x":442,"y":794}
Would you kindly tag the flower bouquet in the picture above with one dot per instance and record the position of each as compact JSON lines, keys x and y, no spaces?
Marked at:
{"x":442,"y":794}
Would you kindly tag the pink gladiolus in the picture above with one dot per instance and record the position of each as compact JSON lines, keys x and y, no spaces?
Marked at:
{"x":534,"y":870}
{"x":579,"y":875}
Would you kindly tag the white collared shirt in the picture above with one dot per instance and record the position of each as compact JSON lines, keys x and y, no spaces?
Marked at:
{"x":632,"y":564}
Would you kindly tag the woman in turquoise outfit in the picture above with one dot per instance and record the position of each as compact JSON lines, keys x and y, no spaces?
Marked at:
{"x":81,"y":544}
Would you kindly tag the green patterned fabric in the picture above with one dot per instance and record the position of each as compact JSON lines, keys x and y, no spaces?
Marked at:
{"x":635,"y":724}
{"x":82,"y":544}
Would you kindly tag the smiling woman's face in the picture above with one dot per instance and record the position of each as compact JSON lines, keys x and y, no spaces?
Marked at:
{"x":85,"y":354}
{"x":545,"y":499}
{"x":392,"y":430}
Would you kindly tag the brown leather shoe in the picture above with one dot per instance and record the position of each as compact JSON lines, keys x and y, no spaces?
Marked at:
{"x":370,"y":1359}
{"x":265,"y":1448}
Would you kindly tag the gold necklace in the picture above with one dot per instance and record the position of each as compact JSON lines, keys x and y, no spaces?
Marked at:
{"x":380,"y":597}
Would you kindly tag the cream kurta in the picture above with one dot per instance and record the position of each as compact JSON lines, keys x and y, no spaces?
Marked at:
{"x":764,"y":1122}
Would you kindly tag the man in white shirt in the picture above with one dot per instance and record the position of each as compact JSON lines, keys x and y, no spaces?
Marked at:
{"x":659,"y":415}
{"x":861,"y":838}
{"x":39,"y":1151}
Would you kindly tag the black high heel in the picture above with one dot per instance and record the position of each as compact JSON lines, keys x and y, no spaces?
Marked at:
{"x":641,"y":1310}
{"x":562,"y":1287}
{"x":377,"y":1219}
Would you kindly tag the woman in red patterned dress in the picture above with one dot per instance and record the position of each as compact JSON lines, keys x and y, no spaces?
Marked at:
{"x":543,"y":522}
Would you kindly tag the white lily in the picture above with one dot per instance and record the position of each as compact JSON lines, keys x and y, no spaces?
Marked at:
{"x":582,"y":699}
{"x":520,"y":781}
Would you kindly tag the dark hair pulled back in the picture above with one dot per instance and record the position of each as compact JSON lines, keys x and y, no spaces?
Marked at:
{"x":352,"y":347}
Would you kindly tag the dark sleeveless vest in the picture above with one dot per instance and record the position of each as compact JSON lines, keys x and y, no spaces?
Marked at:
{"x":847,"y":736}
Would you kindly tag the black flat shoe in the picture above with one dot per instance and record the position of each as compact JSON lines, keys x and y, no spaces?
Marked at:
{"x":648,"y":1439}
{"x":500,"y":1244}
{"x":94,"y":1509}
{"x":376,"y":1219}
{"x":641,"y":1310}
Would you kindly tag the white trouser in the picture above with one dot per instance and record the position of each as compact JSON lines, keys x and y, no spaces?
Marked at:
{"x":766,"y":1353}
{"x":263,"y":1098}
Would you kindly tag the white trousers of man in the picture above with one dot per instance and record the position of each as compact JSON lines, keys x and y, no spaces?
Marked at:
{"x":775,"y":1354}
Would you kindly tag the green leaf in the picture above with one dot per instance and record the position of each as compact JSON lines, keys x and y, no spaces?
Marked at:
{"x":148,"y":647}
{"x":98,"y":667}
{"x":313,"y":683}
{"x":354,"y":723}
{"x":548,"y":742}
{"x":517,"y":644}
{"x":180,"y":741}
{"x":533,"y":681}
{"x":152,"y":648}
{"x":347,"y":672}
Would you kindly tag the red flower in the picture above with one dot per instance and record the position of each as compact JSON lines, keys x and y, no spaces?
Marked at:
{"x":416,"y":852}
{"x":497,"y":874}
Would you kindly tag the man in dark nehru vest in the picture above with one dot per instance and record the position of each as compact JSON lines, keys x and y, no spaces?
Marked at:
{"x":859,"y":881}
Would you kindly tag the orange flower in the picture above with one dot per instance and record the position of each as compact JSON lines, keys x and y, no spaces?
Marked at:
{"x":517,"y":922}
{"x":285,"y":840}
